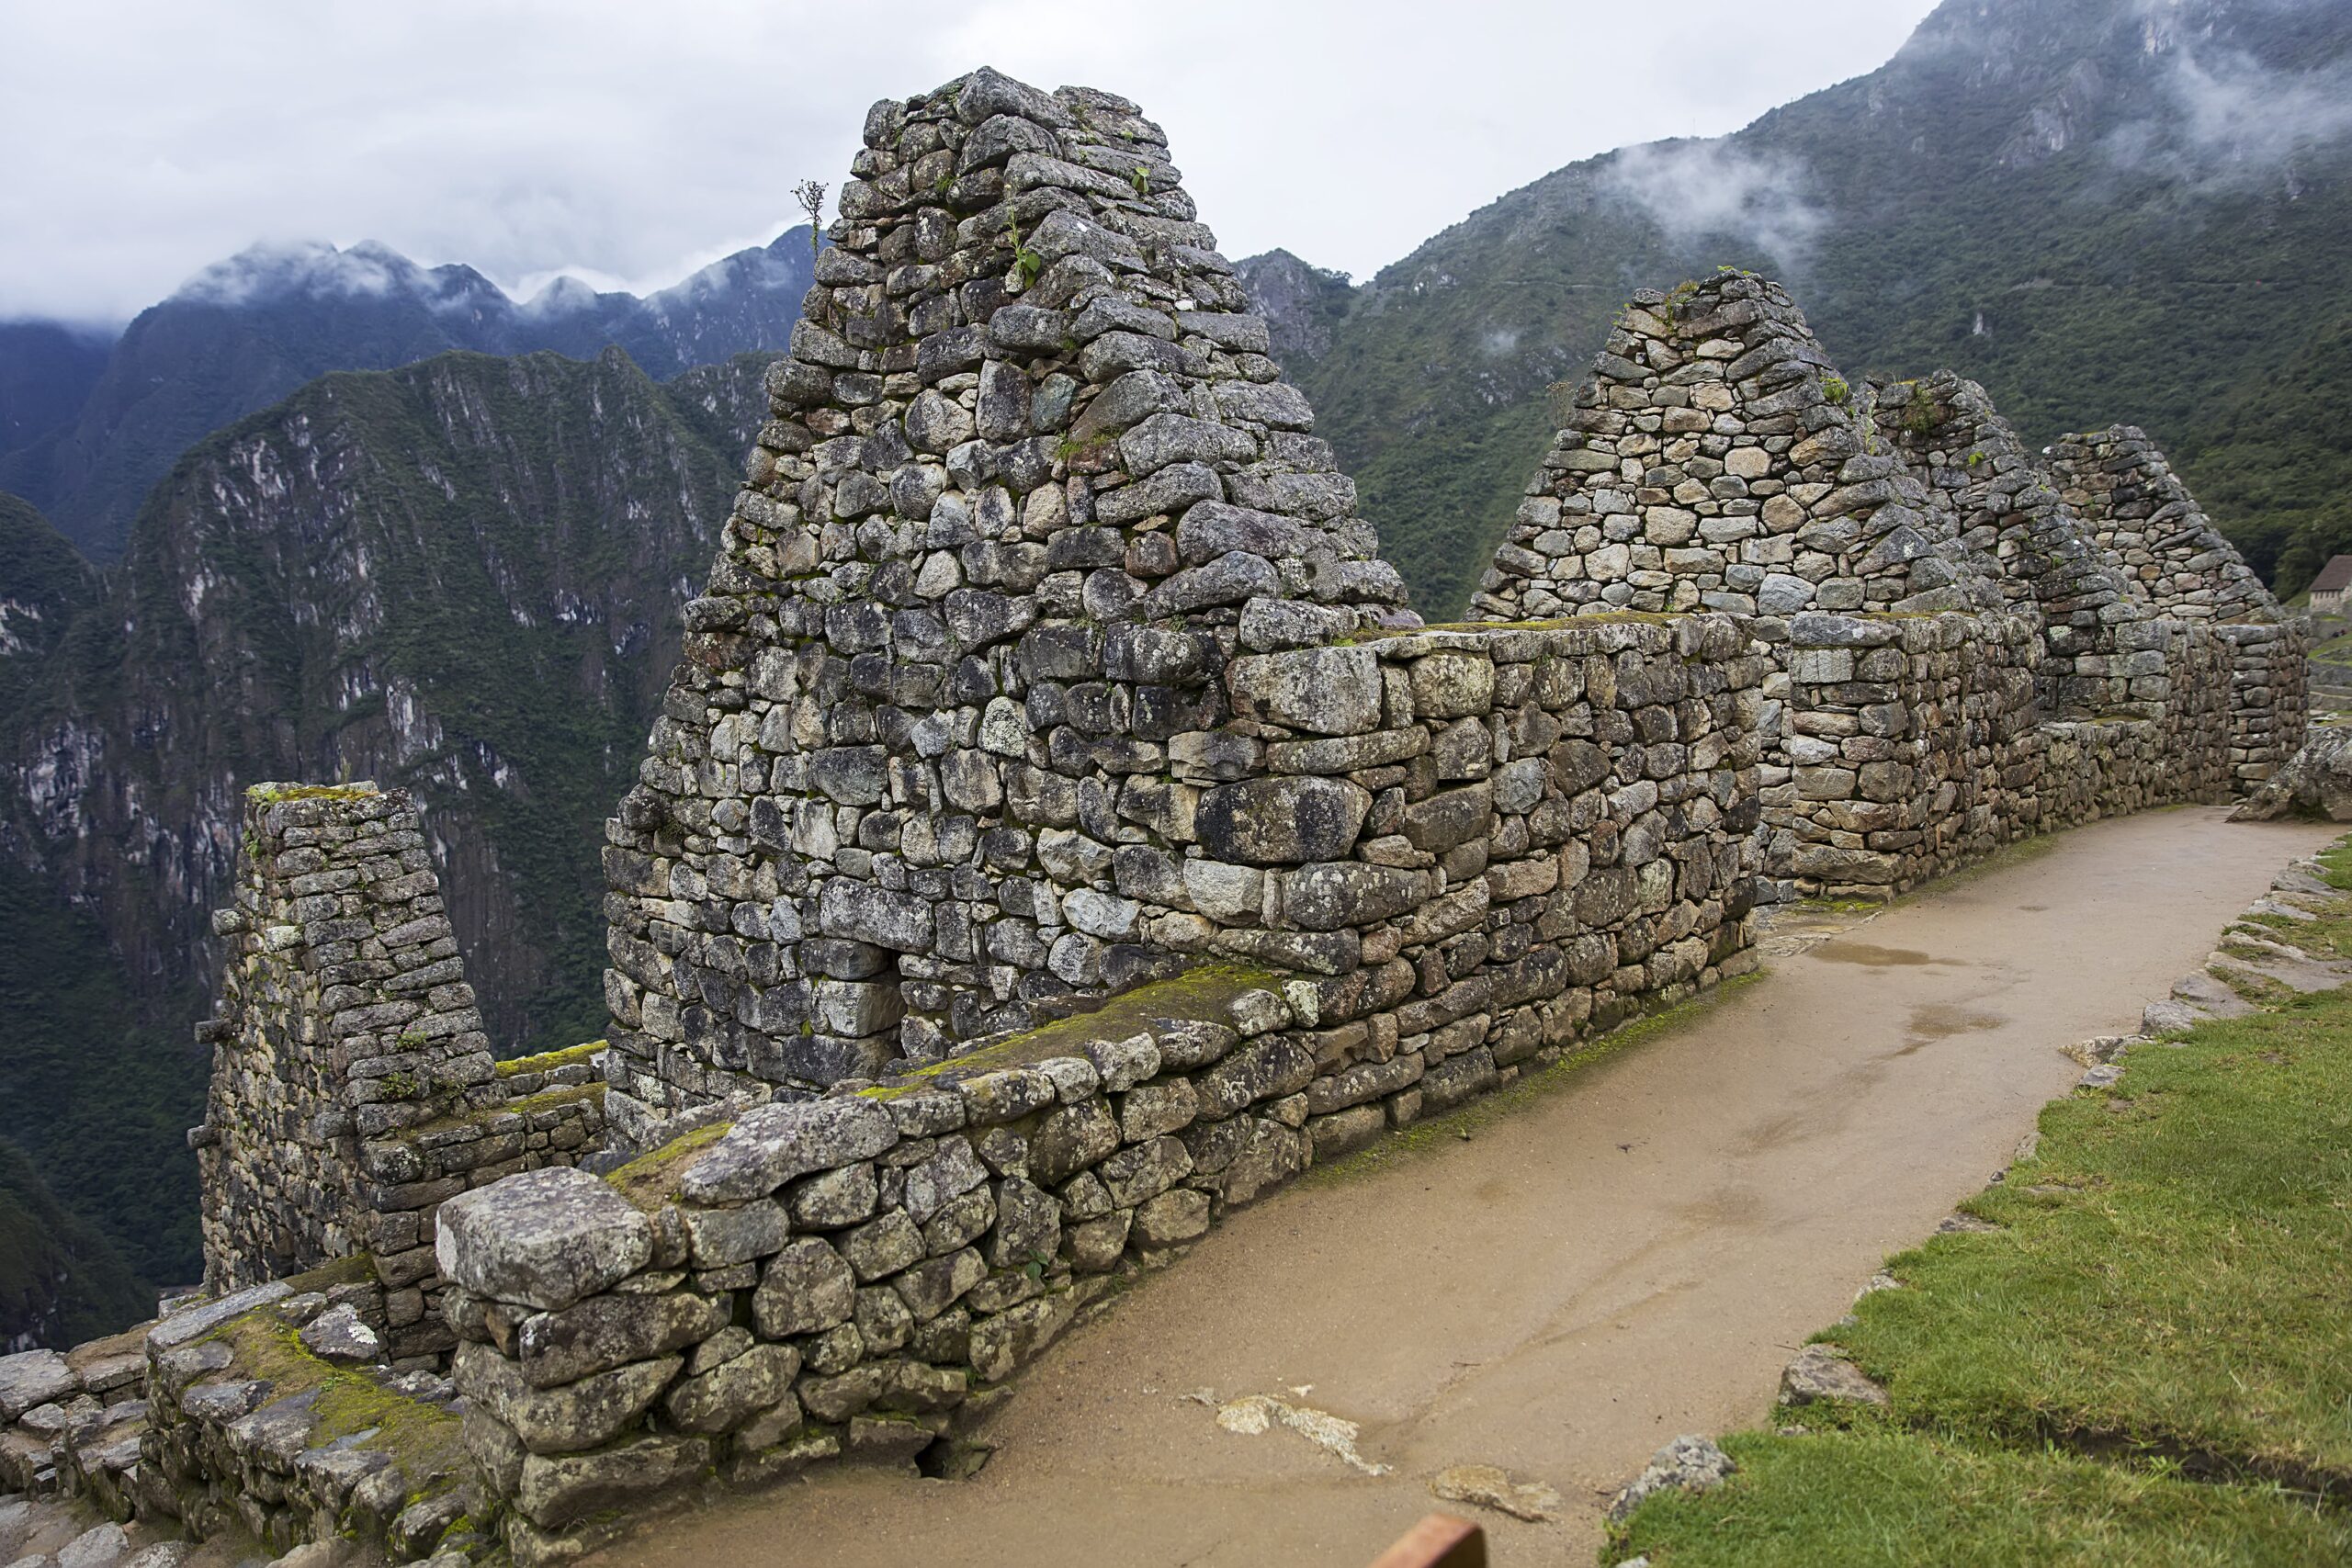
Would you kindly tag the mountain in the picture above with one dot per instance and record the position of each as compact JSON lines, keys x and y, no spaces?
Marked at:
{"x":46,"y":373}
{"x":463,"y":577}
{"x":2108,"y":209}
{"x":248,"y":331}
{"x":61,"y":1283}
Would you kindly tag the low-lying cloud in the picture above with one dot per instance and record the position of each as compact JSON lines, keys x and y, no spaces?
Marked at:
{"x":1695,"y":190}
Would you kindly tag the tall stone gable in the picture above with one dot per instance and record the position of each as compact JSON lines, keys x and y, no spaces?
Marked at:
{"x":1032,"y":480}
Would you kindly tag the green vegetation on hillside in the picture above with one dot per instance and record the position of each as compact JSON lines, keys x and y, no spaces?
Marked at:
{"x":2017,"y":196}
{"x":2148,"y":1361}
{"x":60,"y":1279}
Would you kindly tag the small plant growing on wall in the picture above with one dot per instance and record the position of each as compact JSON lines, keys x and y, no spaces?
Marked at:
{"x":810,"y":194}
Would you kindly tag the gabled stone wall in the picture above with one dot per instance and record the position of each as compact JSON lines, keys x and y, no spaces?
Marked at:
{"x":2008,"y":507}
{"x":1031,"y":484}
{"x":353,"y":1088}
{"x":344,"y":1014}
{"x":1717,"y":461}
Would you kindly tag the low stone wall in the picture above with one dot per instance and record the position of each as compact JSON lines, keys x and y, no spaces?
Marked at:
{"x":855,"y":1276}
{"x":269,"y":1410}
{"x":553,"y":1115}
{"x":1908,"y":746}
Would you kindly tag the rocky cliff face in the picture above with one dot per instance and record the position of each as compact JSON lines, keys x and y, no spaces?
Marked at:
{"x":462,"y":578}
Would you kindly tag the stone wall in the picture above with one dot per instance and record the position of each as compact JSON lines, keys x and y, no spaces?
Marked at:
{"x":353,"y":1088}
{"x":1058,"y":835}
{"x":1717,"y":461}
{"x":1915,"y":744}
{"x":2153,"y":532}
{"x":1032,"y":481}
{"x":1973,"y":462}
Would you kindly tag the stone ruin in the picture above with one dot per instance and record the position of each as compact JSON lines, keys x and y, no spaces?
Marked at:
{"x":1060,"y":834}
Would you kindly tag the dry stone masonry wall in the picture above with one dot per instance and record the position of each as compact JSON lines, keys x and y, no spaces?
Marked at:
{"x":2153,"y":530}
{"x":353,"y":1088}
{"x":1060,"y":834}
{"x":1031,"y":484}
{"x":2109,"y":649}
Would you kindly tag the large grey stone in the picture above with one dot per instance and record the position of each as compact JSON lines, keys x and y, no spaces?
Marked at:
{"x":194,"y":1323}
{"x":771,"y":1143}
{"x":553,"y":1492}
{"x":605,"y":1332}
{"x":865,"y":912}
{"x":31,"y":1378}
{"x":806,"y":1289}
{"x":578,"y":1415}
{"x":728,"y":1395}
{"x":1326,"y":690}
{"x":542,"y":1238}
{"x":1283,"y":820}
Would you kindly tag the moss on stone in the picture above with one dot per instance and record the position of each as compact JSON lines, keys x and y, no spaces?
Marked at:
{"x":359,"y":1269}
{"x":549,"y":1061}
{"x":650,"y":1179}
{"x":422,"y":1439}
{"x":1204,"y":992}
{"x":271,"y":794}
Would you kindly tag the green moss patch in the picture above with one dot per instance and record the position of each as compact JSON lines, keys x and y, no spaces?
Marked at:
{"x":549,"y":1061}
{"x":272,"y":793}
{"x":422,"y":1439}
{"x":650,"y":1179}
{"x":1205,"y":993}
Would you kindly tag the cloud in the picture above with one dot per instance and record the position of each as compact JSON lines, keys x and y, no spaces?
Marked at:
{"x":1696,"y":191}
{"x":313,"y":267}
{"x":2239,"y":113}
{"x":2227,"y":117}
{"x":622,"y":142}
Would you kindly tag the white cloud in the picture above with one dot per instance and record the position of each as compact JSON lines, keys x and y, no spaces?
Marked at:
{"x":1695,"y":189}
{"x":624,"y":143}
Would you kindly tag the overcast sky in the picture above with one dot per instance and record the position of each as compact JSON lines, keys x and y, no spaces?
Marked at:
{"x":631,"y":142}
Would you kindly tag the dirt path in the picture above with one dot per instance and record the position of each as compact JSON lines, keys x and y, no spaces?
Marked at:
{"x":1634,"y":1256}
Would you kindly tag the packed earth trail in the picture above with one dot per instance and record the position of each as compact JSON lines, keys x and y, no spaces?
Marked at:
{"x":1559,"y":1284}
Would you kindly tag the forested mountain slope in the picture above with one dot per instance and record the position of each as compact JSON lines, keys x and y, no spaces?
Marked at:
{"x":2106,"y":209}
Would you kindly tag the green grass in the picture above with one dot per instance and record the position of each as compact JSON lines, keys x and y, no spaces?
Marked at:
{"x":2145,"y":1363}
{"x":1869,"y":1497}
{"x":2173,"y":1269}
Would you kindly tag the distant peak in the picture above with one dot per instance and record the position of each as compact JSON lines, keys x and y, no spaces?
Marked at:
{"x":278,"y":268}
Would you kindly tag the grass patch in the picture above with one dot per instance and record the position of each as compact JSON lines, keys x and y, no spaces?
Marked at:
{"x":1869,"y":1497}
{"x":2145,"y":1363}
{"x":2173,"y":1269}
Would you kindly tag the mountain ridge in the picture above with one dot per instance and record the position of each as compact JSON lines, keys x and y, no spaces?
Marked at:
{"x":249,"y":330}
